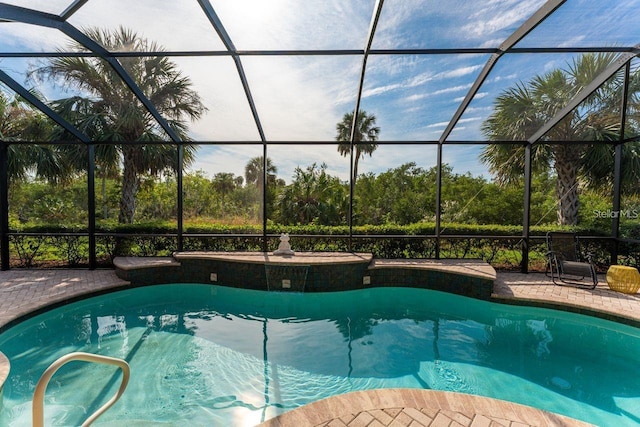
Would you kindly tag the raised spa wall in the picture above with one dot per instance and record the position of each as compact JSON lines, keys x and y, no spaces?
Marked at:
{"x":309,"y":272}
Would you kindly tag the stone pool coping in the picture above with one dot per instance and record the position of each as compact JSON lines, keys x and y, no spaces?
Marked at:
{"x":270,"y":258}
{"x":463,"y":267}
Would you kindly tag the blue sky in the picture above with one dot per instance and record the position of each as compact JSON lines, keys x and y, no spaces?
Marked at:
{"x":301,"y":98}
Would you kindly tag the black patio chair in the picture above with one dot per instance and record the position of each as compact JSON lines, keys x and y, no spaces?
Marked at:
{"x":564,"y":263}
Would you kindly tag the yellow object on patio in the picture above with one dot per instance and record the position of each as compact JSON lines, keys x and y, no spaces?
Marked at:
{"x":622,"y":278}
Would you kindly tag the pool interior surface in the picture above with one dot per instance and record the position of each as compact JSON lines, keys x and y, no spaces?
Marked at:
{"x":224,"y":356}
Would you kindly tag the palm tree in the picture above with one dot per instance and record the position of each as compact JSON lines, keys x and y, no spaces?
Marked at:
{"x":225,"y":183}
{"x":253,"y":171}
{"x":111,"y":112}
{"x":365,"y":131}
{"x":521,"y":110}
{"x":20,"y":122}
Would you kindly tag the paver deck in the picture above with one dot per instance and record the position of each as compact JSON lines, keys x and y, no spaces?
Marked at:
{"x":23,"y":291}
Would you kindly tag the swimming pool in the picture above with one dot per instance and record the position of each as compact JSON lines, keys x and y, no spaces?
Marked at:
{"x":224,"y":356}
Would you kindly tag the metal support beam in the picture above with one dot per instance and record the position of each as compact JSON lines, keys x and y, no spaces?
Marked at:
{"x":231,"y":49}
{"x":372,"y":30}
{"x":73,"y":8}
{"x":617,"y":168}
{"x":91,"y":204}
{"x":377,"y":10}
{"x":4,"y":206}
{"x":615,"y":221}
{"x":216,"y":23}
{"x":180,"y":196}
{"x":265,"y":243}
{"x":526,"y":214}
{"x":438,"y":229}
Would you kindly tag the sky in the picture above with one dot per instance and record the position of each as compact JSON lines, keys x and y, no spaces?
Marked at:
{"x":301,"y":98}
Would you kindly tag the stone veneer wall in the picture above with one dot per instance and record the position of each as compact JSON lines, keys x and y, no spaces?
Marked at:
{"x":471,"y":286}
{"x":249,"y":275}
{"x":312,"y":277}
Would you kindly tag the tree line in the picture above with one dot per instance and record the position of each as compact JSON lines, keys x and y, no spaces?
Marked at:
{"x":399,"y":196}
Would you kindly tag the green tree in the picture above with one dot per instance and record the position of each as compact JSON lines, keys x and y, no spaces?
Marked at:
{"x":365,"y":131}
{"x":521,"y":110}
{"x":111,"y":112}
{"x":198,"y":195}
{"x":402,"y":195}
{"x":315,"y":197}
{"x":157,"y":199}
{"x":225,"y":183}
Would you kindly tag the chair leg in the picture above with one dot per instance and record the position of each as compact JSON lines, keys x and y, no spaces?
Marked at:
{"x":594,"y":276}
{"x":550,"y":266}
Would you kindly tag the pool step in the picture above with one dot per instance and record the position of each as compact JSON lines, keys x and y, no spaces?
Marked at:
{"x":147,"y":270}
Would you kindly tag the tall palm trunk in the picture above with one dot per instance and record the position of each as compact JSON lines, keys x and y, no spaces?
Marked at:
{"x":130,"y":184}
{"x":567,"y":163}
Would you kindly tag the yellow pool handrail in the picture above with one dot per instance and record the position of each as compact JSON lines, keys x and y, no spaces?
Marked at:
{"x":41,"y":387}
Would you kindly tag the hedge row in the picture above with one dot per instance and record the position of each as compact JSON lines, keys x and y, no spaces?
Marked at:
{"x":501,"y":246}
{"x":419,"y":229}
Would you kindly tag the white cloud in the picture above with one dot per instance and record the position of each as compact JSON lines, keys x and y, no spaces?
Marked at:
{"x":444,"y":124}
{"x":479,"y":109}
{"x":478,"y":95}
{"x":492,"y":43}
{"x":417,"y":97}
{"x":18,"y":37}
{"x":381,"y":89}
{"x":423,"y":79}
{"x":573,"y":41}
{"x":459,"y":72}
{"x":512,"y":76}
{"x":498,"y":16}
{"x":233,"y":158}
{"x":288,"y":157}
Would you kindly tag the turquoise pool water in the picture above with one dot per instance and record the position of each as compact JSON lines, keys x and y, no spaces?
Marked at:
{"x":231,"y":357}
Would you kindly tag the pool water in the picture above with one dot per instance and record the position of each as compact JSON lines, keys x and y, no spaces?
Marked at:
{"x":232,"y":357}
